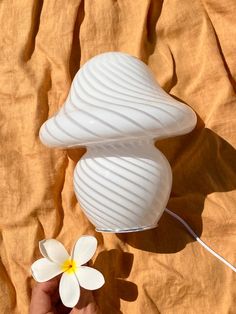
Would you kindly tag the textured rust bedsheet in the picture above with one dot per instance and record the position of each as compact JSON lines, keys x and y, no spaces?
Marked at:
{"x":190,"y":46}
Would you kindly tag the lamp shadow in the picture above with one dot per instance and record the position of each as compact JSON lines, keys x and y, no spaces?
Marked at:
{"x":202,"y":163}
{"x":115,"y":266}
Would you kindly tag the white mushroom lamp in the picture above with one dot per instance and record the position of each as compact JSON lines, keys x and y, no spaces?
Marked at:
{"x":117,"y":110}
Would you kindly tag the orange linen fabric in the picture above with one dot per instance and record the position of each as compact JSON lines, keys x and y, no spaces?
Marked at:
{"x":190,"y":46}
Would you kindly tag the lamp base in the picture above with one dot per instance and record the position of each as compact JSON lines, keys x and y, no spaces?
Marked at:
{"x":143,"y":228}
{"x":123,"y":187}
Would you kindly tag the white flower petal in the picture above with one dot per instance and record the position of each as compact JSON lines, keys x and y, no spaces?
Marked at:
{"x":53,"y":250}
{"x":69,"y":290}
{"x":42,"y":249}
{"x":90,"y":278}
{"x":44,"y":270}
{"x":84,"y":249}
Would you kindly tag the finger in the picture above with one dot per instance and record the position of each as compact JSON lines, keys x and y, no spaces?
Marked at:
{"x":50,"y":286}
{"x":41,"y":300}
{"x":86,"y":304}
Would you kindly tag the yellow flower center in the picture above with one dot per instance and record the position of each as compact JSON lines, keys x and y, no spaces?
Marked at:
{"x":69,"y":266}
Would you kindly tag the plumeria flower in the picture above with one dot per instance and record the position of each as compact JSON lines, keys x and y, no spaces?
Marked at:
{"x":56,"y":260}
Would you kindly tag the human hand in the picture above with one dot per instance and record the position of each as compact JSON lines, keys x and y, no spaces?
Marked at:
{"x":46,"y":300}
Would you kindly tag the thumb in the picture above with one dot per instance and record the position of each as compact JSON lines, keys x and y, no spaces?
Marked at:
{"x":42,"y":295}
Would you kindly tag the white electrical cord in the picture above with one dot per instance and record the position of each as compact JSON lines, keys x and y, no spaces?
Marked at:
{"x":199,"y":240}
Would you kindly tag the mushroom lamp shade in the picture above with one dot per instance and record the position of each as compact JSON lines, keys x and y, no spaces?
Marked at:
{"x":116,"y":109}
